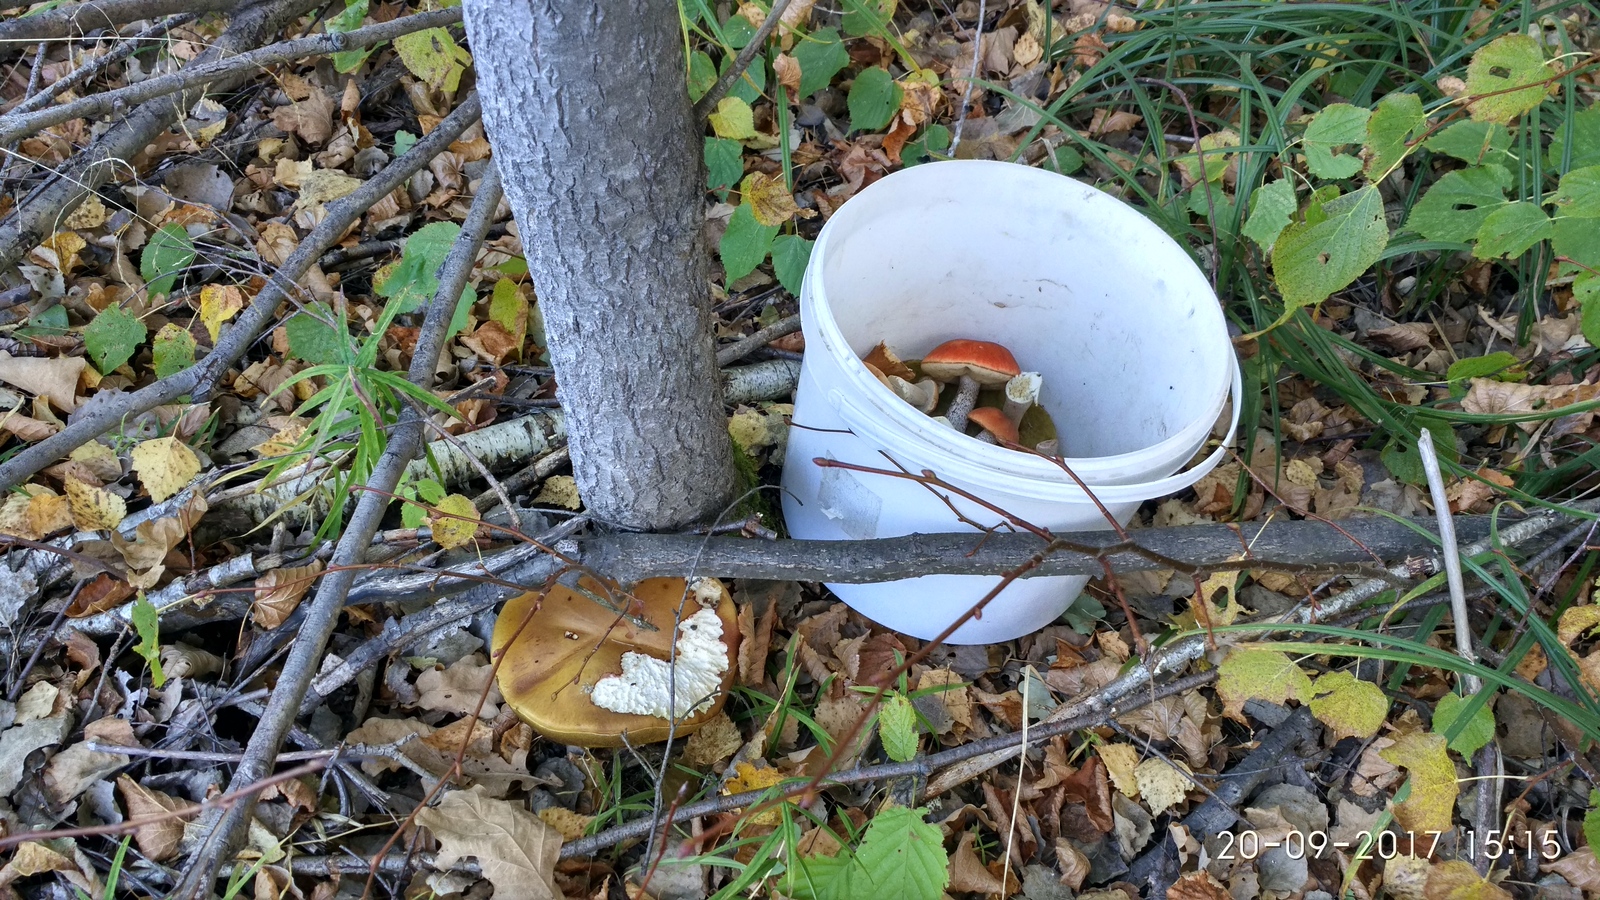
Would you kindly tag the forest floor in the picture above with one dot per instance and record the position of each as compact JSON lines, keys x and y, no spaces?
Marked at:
{"x":204,"y":357}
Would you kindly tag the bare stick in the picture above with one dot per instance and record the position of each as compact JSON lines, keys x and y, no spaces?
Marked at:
{"x":77,"y":19}
{"x":90,"y":424}
{"x":125,"y":48}
{"x":744,"y":347}
{"x":322,"y":614}
{"x":17,"y":125}
{"x":741,"y":62}
{"x":1452,"y":557}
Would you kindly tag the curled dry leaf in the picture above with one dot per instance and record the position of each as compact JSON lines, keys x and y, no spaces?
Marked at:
{"x":54,"y":379}
{"x":1504,"y":397}
{"x":280,"y":591}
{"x":159,"y":839}
{"x":185,"y":661}
{"x":516,"y":850}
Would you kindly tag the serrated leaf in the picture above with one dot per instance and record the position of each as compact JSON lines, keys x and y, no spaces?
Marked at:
{"x":1337,"y":125}
{"x":745,"y":244}
{"x":874,"y":99}
{"x":790,"y":256}
{"x":1433,"y":782}
{"x":1455,"y":206}
{"x":218,"y":304}
{"x":1257,"y":673}
{"x":1349,"y":706}
{"x":1511,"y":230}
{"x":432,"y":55}
{"x":349,"y":19}
{"x":1395,"y":118}
{"x":454,"y":521}
{"x":315,"y":341}
{"x":733,"y":119}
{"x":147,"y":625}
{"x":1510,"y":68}
{"x":112,"y":338}
{"x":168,"y":252}
{"x":864,"y":17}
{"x":821,"y":56}
{"x":897,"y":727}
{"x":1591,"y":819}
{"x":1578,"y":194}
{"x":1310,"y":262}
{"x":1480,"y":366}
{"x":1161,"y":784}
{"x":164,"y":466}
{"x":172,"y":351}
{"x":724,"y":163}
{"x":1474,"y":734}
{"x":515,"y":849}
{"x":702,"y":74}
{"x":1477,"y":143}
{"x":901,"y":856}
{"x":1585,"y":139}
{"x":1272,"y":207}
{"x":936,"y":139}
{"x":92,"y":508}
{"x":414,"y":281}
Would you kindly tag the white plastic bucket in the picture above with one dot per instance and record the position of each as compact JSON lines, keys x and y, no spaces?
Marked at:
{"x":1129,"y":336}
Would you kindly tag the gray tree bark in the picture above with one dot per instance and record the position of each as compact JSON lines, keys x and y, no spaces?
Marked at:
{"x":586,"y":107}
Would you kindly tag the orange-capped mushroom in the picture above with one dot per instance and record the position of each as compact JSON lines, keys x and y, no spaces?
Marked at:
{"x":996,"y":427}
{"x":976,"y":364}
{"x":574,"y":658}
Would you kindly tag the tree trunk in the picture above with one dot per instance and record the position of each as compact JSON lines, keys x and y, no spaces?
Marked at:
{"x":586,"y":107}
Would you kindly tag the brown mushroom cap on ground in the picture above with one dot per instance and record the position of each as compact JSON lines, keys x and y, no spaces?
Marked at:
{"x":985,"y":362}
{"x":995,"y":422}
{"x":570,"y":642}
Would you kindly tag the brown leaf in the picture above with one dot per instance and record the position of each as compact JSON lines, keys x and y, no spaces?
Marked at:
{"x":27,"y":428}
{"x":1489,"y":396}
{"x":1405,"y":337}
{"x":515,"y":848}
{"x":788,"y":71}
{"x":157,"y":840}
{"x":1074,"y":866}
{"x":1107,"y":122}
{"x":1579,"y":868}
{"x":457,"y":688}
{"x":755,"y":639}
{"x":1198,"y":886}
{"x":279,"y":592}
{"x":1090,"y":788}
{"x":967,"y":873}
{"x":310,"y":118}
{"x":492,"y":342}
{"x":103,"y":592}
{"x":70,"y":772}
{"x":54,"y":379}
{"x":770,"y":199}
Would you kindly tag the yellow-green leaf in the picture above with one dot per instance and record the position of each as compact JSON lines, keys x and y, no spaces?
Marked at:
{"x":1505,"y":78}
{"x":1257,"y":673}
{"x":454,"y":521}
{"x":1349,"y":706}
{"x":432,"y":55}
{"x":733,"y":119}
{"x":1432,"y":802}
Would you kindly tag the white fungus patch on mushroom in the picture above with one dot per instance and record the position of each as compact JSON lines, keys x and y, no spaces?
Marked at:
{"x":646,"y":684}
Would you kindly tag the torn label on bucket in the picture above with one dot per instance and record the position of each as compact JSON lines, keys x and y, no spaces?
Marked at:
{"x":855,"y":507}
{"x":647,"y":686}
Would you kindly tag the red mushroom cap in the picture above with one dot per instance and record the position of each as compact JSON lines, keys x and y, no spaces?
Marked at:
{"x":986,"y":362}
{"x":995,"y":422}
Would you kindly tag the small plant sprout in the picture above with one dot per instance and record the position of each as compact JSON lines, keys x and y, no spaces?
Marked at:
{"x":584,"y":674}
{"x":974,"y":364}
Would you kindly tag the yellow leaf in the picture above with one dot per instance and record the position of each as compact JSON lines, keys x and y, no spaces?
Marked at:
{"x":770,"y":199}
{"x":165,"y":466}
{"x":749,"y":778}
{"x":59,"y":251}
{"x":1203,"y":606}
{"x":560,"y":490}
{"x":1576,"y":622}
{"x":454,"y":521}
{"x":94,"y":509}
{"x":218,"y":304}
{"x":284,"y":441}
{"x":569,"y":824}
{"x":1456,"y":879}
{"x":1257,"y":673}
{"x":49,"y":513}
{"x":99,"y":459}
{"x":733,"y":119}
{"x":1161,"y":784}
{"x":1121,"y":760}
{"x":1433,"y":782}
{"x":91,"y":213}
{"x":1349,"y":706}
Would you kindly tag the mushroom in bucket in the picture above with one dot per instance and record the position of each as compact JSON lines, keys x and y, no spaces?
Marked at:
{"x":580,"y":674}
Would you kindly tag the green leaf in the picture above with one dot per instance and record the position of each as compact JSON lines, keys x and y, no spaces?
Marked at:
{"x":1272,"y":207}
{"x":1478,"y":143}
{"x":1455,"y":207}
{"x":745,"y":244}
{"x":901,"y":857}
{"x":821,"y":56}
{"x":1578,"y":240}
{"x":462,"y":313}
{"x":1391,"y":125}
{"x":1511,"y":230}
{"x":147,"y":624}
{"x":315,"y":341}
{"x":432,"y":55}
{"x":1591,"y":819}
{"x":1310,"y":262}
{"x":738,"y":32}
{"x":1509,"y":68}
{"x":733,"y":119}
{"x":1480,"y":366}
{"x":51,"y":321}
{"x":790,"y":254}
{"x":702,"y":74}
{"x":936,"y":139}
{"x":414,"y":280}
{"x":873,"y":100}
{"x":1589,"y":322}
{"x":349,"y":20}
{"x":1404,"y":461}
{"x":403,"y":142}
{"x":1578,"y":194}
{"x":167,"y":254}
{"x":172,"y":350}
{"x":750,"y":83}
{"x":112,"y":338}
{"x":1337,"y":125}
{"x":1202,"y":205}
{"x":864,"y":17}
{"x":897,"y":727}
{"x":1349,"y":706}
{"x":1067,"y":160}
{"x":724,"y":163}
{"x":1474,"y":734}
{"x":1259,"y":673}
{"x":1585,"y":127}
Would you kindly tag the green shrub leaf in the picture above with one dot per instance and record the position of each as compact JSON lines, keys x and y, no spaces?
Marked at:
{"x":733,"y":119}
{"x":1585,"y":129}
{"x":1475,"y":732}
{"x":164,"y":258}
{"x":901,"y":857}
{"x":1478,"y":143}
{"x":1391,"y":125}
{"x":897,"y":727}
{"x":1480,"y":366}
{"x":172,"y":350}
{"x":1505,"y":78}
{"x":1511,"y":230}
{"x":790,"y":254}
{"x":414,"y":280}
{"x":112,"y":338}
{"x":724,"y":163}
{"x":1578,"y":194}
{"x":702,"y":74}
{"x":874,"y":98}
{"x":349,"y":20}
{"x":1349,"y":706}
{"x":820,"y":56}
{"x":315,"y":341}
{"x":1272,"y":207}
{"x":1333,"y":128}
{"x":864,"y":17}
{"x":1311,"y":261}
{"x":745,"y":244}
{"x":1455,"y":207}
{"x":147,"y":624}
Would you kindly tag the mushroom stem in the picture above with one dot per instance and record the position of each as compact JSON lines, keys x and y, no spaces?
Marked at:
{"x":985,"y":437}
{"x":1022,"y":392}
{"x":961,"y":407}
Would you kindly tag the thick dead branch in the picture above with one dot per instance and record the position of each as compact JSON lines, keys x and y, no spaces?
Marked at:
{"x":214,"y":74}
{"x":322,"y":614}
{"x":78,"y":19}
{"x":38,"y":214}
{"x":90,"y":424}
{"x":767,"y":380}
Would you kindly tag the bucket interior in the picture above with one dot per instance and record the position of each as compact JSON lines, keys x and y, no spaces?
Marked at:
{"x":1080,"y":287}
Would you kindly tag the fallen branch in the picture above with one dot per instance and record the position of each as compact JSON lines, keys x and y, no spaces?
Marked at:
{"x":78,"y":19}
{"x":744,"y":347}
{"x":126,"y":47}
{"x":766,"y":380}
{"x":211,"y":73}
{"x":89,"y":424}
{"x":322,"y":613}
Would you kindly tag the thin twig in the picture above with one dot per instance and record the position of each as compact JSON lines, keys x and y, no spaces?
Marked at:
{"x":124,"y":48}
{"x":972,"y":76}
{"x":744,"y":347}
{"x":76,"y":19}
{"x":1452,"y":558}
{"x":741,"y":62}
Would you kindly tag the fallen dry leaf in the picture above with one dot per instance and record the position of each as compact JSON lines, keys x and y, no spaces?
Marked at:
{"x":54,"y":379}
{"x":94,"y":509}
{"x":280,"y":591}
{"x":157,"y":840}
{"x":164,"y":466}
{"x":458,"y":687}
{"x":515,"y":848}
